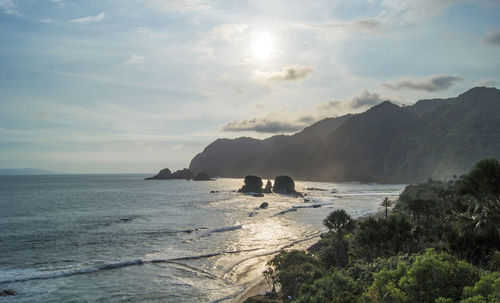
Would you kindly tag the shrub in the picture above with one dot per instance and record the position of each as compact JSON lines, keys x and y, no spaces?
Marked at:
{"x":334,"y":287}
{"x":379,"y":237}
{"x":485,"y":290}
{"x":292,"y":269}
{"x":432,"y":276}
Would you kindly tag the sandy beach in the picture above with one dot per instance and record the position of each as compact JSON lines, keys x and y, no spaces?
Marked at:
{"x":259,"y":288}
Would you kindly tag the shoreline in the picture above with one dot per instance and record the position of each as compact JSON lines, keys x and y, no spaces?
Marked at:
{"x":258,"y":288}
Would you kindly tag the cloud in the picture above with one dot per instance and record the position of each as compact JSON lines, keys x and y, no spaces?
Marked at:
{"x":366,"y":99}
{"x":330,"y":105}
{"x":492,"y":37}
{"x":363,"y":24}
{"x":411,"y":11}
{"x":183,"y":5}
{"x":266,"y":125}
{"x":366,"y":24}
{"x":42,"y":115}
{"x":135,"y":59}
{"x":485,"y":82}
{"x":9,"y":7}
{"x":89,"y":19}
{"x":292,"y":122}
{"x":60,"y":2}
{"x":290,"y":73}
{"x":48,"y":20}
{"x":431,"y":84}
{"x":229,"y":32}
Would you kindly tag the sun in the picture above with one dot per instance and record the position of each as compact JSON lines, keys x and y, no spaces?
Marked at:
{"x":262,"y":45}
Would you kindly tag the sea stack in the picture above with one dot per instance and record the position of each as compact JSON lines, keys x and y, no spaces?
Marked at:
{"x":284,"y":185}
{"x":269,"y":187}
{"x":253,"y":184}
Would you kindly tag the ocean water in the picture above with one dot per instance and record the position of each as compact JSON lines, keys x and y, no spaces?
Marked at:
{"x":119,"y":238}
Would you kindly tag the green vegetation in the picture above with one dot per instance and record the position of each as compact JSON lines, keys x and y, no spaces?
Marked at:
{"x":441,"y":243}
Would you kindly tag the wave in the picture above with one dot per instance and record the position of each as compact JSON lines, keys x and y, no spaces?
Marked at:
{"x":219,"y":230}
{"x":172,"y":231}
{"x":29,"y":275}
{"x":297,"y":207}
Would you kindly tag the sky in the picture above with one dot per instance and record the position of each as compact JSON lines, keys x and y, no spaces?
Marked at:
{"x":113,"y":86}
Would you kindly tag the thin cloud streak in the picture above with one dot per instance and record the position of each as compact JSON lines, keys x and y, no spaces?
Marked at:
{"x":264,"y":125}
{"x":492,"y":37}
{"x":432,"y":84}
{"x":289,"y":73}
{"x":276,"y":124}
{"x":89,"y":19}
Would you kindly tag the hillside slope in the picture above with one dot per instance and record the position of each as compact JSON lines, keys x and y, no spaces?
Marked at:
{"x":435,"y":138}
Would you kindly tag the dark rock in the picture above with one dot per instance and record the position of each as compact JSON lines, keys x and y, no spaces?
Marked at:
{"x":8,"y":292}
{"x":284,"y":185}
{"x":315,"y":188}
{"x":307,"y":200}
{"x":203,"y":177}
{"x":125,"y":219}
{"x":257,"y":195}
{"x":253,"y":184}
{"x":269,"y":187}
{"x":164,"y":174}
{"x":264,"y":205}
{"x":214,"y":191}
{"x":298,"y":195}
{"x":183,"y":174}
{"x":334,"y":191}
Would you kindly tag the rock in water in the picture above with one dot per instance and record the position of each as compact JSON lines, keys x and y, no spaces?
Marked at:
{"x":164,"y":174}
{"x":264,"y":205}
{"x":269,"y":187}
{"x":284,"y":185}
{"x":183,"y":174}
{"x":202,"y":177}
{"x":8,"y":292}
{"x":253,"y":184}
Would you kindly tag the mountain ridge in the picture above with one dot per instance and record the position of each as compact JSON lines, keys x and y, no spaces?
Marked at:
{"x":388,"y":143}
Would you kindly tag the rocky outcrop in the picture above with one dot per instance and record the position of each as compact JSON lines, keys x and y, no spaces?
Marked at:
{"x":269,"y":188}
{"x":183,"y":174}
{"x":253,"y":184}
{"x":202,"y":177}
{"x":166,"y":174}
{"x":284,"y":185}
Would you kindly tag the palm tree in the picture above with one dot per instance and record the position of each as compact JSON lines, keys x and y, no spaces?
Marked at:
{"x":339,"y":220}
{"x":386,"y":203}
{"x":482,"y":187}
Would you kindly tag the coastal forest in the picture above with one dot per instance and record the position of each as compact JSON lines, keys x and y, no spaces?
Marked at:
{"x":440,"y":243}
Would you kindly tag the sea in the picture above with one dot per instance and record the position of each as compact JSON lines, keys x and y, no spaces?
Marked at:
{"x":120,"y":238}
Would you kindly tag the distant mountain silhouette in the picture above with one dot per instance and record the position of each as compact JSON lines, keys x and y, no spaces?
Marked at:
{"x":24,"y":171}
{"x":433,"y":138}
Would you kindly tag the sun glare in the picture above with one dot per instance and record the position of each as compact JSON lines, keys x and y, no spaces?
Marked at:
{"x":262,"y":45}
